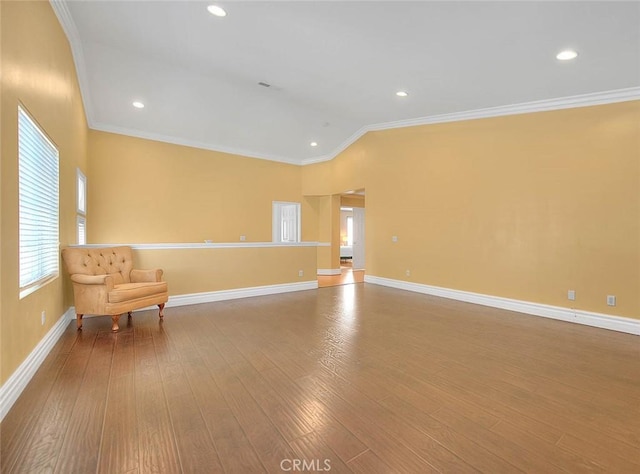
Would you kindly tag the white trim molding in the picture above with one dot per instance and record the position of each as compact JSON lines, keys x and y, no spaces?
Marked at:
{"x":65,"y":18}
{"x":329,"y":271}
{"x":13,"y":387}
{"x":207,"y":245}
{"x":604,"y":321}
{"x":545,"y":105}
{"x":61,"y":10}
{"x":236,"y":293}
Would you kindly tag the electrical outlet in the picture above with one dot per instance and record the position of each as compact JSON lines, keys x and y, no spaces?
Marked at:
{"x":394,"y":238}
{"x":408,"y":273}
{"x":300,"y":273}
{"x":571,"y":295}
{"x":243,"y":238}
{"x":611,"y":300}
{"x":43,"y":317}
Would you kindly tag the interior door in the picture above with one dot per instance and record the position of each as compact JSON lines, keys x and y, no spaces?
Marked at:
{"x":358,"y":238}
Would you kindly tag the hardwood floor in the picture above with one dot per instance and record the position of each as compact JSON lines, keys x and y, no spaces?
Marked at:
{"x":346,"y":277}
{"x":355,"y":378}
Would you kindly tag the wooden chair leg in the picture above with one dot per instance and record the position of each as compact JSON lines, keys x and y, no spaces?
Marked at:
{"x":161,"y":313}
{"x":79,"y":321}
{"x":114,"y":326}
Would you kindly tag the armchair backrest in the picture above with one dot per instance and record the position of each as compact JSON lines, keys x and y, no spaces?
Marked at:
{"x":114,"y":261}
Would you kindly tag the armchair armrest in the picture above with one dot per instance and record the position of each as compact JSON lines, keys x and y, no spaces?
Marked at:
{"x":81,"y":279}
{"x":140,"y":276}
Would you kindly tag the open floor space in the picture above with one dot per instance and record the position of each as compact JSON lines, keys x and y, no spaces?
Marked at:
{"x":358,"y":378}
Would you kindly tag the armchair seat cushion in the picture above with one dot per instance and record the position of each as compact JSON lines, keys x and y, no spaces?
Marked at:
{"x":132,"y":291}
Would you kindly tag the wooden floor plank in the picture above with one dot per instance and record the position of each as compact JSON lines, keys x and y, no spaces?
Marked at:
{"x":119,"y":447}
{"x":157,"y":445}
{"x":196,"y":448}
{"x":369,"y":463}
{"x":19,"y":423}
{"x":313,"y":454}
{"x":373,"y":379}
{"x":40,"y":452}
{"x":81,"y":446}
{"x":528,"y":461}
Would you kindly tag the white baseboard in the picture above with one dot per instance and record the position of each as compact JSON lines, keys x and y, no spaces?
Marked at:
{"x":329,"y":271}
{"x":13,"y":387}
{"x":604,"y":321}
{"x":221,"y":295}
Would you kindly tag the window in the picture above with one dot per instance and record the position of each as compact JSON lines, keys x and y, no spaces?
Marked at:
{"x":81,"y":230}
{"x":38,"y":208}
{"x":82,"y":192}
{"x":81,"y":219}
{"x":286,"y":221}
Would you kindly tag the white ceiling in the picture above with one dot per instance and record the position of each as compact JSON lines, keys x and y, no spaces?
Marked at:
{"x":334,"y":66}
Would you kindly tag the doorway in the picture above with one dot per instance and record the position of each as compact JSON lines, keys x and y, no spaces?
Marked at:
{"x":351,"y":241}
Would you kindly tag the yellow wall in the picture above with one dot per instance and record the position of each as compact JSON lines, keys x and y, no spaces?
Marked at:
{"x":524,"y":207}
{"x":145,"y":191}
{"x":38,"y":72}
{"x":188,"y":271}
{"x":347,"y":172}
{"x":354,"y":200}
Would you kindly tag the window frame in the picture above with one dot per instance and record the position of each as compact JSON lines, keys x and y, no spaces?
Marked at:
{"x":81,"y":207}
{"x":81,"y":192}
{"x":38,"y":164}
{"x":277,"y":216}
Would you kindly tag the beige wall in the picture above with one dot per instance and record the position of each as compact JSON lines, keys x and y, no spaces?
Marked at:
{"x":524,"y":206}
{"x":189,"y":271}
{"x":354,"y":200}
{"x":143,"y":191}
{"x":347,"y":172}
{"x":37,"y":72}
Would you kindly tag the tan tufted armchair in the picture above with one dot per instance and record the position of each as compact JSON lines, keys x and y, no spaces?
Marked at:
{"x":104,"y":282}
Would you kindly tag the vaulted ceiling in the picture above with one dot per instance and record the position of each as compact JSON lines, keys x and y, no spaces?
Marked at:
{"x":334,"y":67}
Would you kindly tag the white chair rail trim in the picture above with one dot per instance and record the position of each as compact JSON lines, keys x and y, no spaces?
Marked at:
{"x":197,"y":245}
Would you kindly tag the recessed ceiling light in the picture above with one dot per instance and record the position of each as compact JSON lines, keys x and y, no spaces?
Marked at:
{"x":138,"y":105}
{"x":566,"y":55}
{"x":216,"y":10}
{"x":402,"y":94}
{"x":313,"y":143}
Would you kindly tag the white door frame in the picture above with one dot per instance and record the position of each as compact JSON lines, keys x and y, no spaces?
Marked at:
{"x":358,"y":238}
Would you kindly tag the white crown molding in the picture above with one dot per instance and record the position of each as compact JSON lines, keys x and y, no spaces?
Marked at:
{"x":213,"y":245}
{"x":604,"y":321}
{"x":68,"y":25}
{"x":329,"y":271}
{"x":63,"y":14}
{"x":13,"y":387}
{"x":570,"y":102}
{"x":583,"y":100}
{"x":131,"y":132}
{"x":342,"y":147}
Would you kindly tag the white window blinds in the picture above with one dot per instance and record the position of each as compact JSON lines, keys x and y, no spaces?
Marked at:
{"x":38,"y":204}
{"x":81,"y":226}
